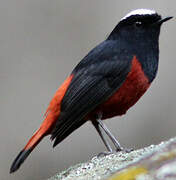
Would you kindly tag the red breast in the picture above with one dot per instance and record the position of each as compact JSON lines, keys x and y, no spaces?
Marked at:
{"x":127,"y":95}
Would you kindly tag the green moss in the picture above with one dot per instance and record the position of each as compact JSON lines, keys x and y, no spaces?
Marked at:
{"x":129,"y":174}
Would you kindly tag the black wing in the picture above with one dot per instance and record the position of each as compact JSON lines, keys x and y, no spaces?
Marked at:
{"x":95,"y":79}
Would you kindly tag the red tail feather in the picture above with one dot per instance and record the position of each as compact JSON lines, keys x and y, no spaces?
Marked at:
{"x":51,"y":117}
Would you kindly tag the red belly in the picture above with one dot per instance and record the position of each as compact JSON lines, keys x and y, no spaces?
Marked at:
{"x":127,"y":95}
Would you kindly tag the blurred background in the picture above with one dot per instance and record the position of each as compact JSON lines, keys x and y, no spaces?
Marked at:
{"x":40,"y":43}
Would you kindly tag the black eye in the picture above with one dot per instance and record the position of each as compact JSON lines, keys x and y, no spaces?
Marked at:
{"x":138,"y":23}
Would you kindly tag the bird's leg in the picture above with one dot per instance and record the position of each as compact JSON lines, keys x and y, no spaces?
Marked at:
{"x":99,"y":126}
{"x":110,"y":135}
{"x":99,"y":130}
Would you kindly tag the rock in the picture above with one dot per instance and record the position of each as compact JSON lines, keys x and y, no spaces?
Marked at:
{"x":156,"y":162}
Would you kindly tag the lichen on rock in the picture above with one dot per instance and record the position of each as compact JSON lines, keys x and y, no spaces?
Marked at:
{"x":155,"y":161}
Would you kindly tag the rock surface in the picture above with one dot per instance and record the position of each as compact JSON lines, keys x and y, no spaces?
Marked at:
{"x":156,"y":162}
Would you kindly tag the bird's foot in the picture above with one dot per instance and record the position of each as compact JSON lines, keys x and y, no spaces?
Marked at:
{"x":105,"y":153}
{"x":126,"y":150}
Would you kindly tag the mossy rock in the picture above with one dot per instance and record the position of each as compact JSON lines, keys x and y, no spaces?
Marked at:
{"x":156,"y":162}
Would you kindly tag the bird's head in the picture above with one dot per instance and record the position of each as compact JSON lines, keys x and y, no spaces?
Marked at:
{"x":139,"y":25}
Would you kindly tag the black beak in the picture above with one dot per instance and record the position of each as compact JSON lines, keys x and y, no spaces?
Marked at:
{"x":163,"y":20}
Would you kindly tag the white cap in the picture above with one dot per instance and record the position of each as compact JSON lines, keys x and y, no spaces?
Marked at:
{"x":139,"y":12}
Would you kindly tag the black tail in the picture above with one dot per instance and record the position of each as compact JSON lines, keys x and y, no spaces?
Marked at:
{"x":20,"y":159}
{"x":32,"y":143}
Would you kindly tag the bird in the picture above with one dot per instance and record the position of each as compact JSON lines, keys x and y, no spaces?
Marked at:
{"x":108,"y":81}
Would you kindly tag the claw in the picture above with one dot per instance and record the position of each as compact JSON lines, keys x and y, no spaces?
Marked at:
{"x":105,"y":153}
{"x":126,"y":150}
